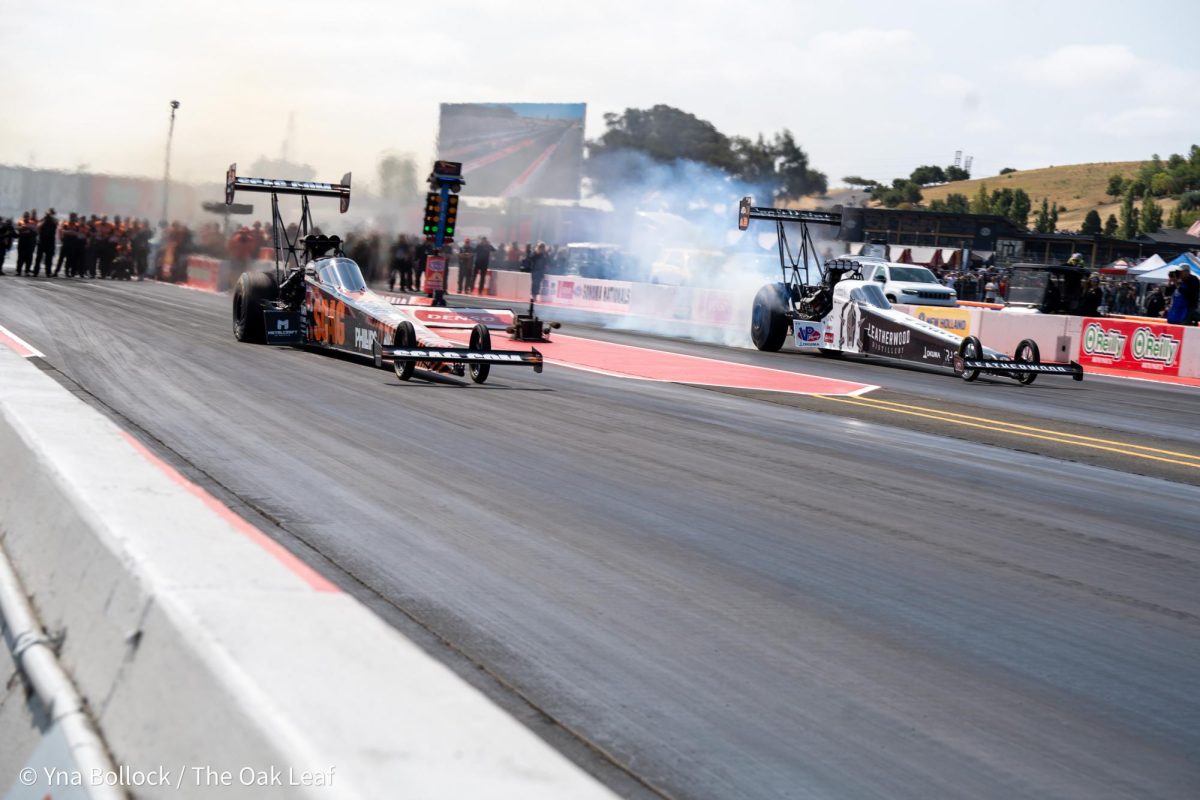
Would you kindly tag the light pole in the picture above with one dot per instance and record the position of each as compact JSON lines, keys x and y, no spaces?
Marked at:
{"x":167,"y":166}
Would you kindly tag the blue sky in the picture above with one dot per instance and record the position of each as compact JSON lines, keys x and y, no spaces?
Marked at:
{"x":870,"y":88}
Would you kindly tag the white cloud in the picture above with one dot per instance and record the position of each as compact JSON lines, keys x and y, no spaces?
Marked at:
{"x":1135,"y":122}
{"x":1085,"y":66}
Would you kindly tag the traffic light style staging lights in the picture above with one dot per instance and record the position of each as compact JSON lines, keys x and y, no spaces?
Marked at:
{"x":451,"y":213}
{"x":433,"y":211}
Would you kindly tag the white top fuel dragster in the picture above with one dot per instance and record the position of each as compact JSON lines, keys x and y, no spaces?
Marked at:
{"x":844,"y":313}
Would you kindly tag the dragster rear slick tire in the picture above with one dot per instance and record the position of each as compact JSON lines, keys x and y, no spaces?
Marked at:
{"x":252,"y":290}
{"x":406,"y":336}
{"x":481,"y":339}
{"x":1027,"y":350}
{"x":970,"y":349}
{"x":768,"y":320}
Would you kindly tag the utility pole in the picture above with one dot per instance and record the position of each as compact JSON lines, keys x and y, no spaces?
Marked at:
{"x":167,"y":166}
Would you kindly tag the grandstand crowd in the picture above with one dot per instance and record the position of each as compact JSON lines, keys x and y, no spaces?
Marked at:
{"x":94,"y":247}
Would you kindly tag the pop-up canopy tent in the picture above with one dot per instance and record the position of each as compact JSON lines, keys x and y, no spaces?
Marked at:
{"x":1161,"y":274}
{"x":1153,"y":262}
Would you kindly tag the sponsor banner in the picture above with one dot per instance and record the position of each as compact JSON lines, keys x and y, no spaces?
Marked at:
{"x":808,"y":333}
{"x":1137,"y":346}
{"x":652,"y":300}
{"x":955,"y":320}
{"x":455,"y":354}
{"x":712,"y":307}
{"x":409,"y":300}
{"x":435,"y":274}
{"x":589,"y":293}
{"x":462,"y":317}
{"x":882,"y":336}
{"x":204,"y":273}
{"x":282,"y":327}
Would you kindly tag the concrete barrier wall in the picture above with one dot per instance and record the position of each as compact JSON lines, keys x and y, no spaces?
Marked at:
{"x":199,"y":642}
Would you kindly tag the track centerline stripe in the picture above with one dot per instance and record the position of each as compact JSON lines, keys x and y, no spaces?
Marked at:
{"x":1014,"y":425}
{"x":867,"y":404}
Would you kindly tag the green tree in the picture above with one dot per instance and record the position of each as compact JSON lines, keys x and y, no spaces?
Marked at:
{"x":981,"y":203}
{"x":755,"y":160}
{"x":958,"y":203}
{"x":663,"y":134}
{"x":1116,"y":186}
{"x":1001,"y":202}
{"x":1176,"y":218}
{"x":1152,"y":214}
{"x":1129,"y":220}
{"x":1110,"y":225}
{"x":1007,"y":170}
{"x":796,"y":177}
{"x":927,"y":174}
{"x":1053,"y":218}
{"x":1092,"y":224}
{"x":1041,"y":219}
{"x":1161,"y":185}
{"x":1021,"y":206}
{"x":855,"y":180}
{"x":901,"y":192}
{"x":956,"y":174}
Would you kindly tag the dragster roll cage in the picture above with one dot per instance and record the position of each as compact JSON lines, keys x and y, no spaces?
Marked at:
{"x":796,"y":265}
{"x":288,"y":250}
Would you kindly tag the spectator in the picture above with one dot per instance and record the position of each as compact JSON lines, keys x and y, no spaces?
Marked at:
{"x":989,"y":291}
{"x":1189,"y":287}
{"x":1089,"y":304}
{"x":1178,"y":311}
{"x":1156,"y":304}
{"x":483,"y":257}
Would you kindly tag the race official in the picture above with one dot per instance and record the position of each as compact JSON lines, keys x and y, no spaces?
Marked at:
{"x":466,"y":267}
{"x":27,"y":235}
{"x":402,"y":265}
{"x":47,"y":239}
{"x":8,"y":232}
{"x":483,"y":258}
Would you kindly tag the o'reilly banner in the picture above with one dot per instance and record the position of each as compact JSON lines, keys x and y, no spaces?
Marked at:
{"x":1134,"y":346}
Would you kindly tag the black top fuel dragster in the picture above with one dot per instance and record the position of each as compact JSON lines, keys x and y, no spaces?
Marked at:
{"x":843,"y":313}
{"x":317,"y":297}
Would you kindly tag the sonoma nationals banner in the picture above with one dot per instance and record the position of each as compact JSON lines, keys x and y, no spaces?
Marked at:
{"x":1136,"y":346}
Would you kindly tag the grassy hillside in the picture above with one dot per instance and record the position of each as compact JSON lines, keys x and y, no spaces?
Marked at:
{"x":1076,"y":187}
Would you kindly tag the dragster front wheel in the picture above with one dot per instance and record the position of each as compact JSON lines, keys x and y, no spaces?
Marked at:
{"x":406,"y":336}
{"x":1027,"y":350}
{"x":971,"y":349}
{"x":481,"y":339}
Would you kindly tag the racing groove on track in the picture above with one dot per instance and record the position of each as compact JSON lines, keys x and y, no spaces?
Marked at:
{"x":733,"y":598}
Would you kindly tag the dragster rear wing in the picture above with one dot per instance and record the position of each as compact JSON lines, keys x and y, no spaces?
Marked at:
{"x":747,"y":212}
{"x":276,"y":186}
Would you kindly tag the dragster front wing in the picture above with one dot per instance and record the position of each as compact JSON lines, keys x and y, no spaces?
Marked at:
{"x":457,"y":355}
{"x":1008,"y":366}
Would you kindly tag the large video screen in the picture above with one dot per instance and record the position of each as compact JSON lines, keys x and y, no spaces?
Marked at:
{"x":530,"y":150}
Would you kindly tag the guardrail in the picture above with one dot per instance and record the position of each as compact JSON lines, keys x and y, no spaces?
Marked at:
{"x":208,"y":652}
